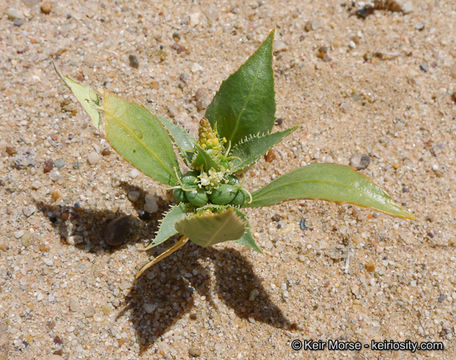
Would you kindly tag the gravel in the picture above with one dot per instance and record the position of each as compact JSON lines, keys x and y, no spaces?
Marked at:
{"x":231,"y":304}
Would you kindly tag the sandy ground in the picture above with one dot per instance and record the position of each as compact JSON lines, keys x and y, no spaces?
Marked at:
{"x":385,"y":88}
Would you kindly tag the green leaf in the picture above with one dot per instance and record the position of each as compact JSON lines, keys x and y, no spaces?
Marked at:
{"x":328,"y":182}
{"x":248,"y":151}
{"x":140,"y":138}
{"x":85,"y":95}
{"x":247,"y":239}
{"x":182,"y":139}
{"x":203,"y":160}
{"x":244,"y":105}
{"x":206,"y":230}
{"x":167,"y":228}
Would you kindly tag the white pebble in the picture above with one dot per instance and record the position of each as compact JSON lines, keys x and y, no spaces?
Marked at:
{"x":93,"y":158}
{"x":134,"y":173}
{"x":36,"y":185}
{"x":54,"y":175}
{"x":196,"y":67}
{"x":29,"y":210}
{"x":150,"y":203}
{"x":19,"y":234}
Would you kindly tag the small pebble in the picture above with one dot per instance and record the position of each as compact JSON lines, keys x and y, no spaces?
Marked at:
{"x":29,"y":210}
{"x":3,"y":245}
{"x":19,"y":234}
{"x":196,"y":67}
{"x":311,"y":25}
{"x":14,"y":14}
{"x":280,"y":46}
{"x":18,"y":22}
{"x":202,"y":99}
{"x":424,"y":67}
{"x":270,"y":156}
{"x":89,"y":311}
{"x":150,"y":203}
{"x":75,"y":239}
{"x":360,"y":161}
{"x":322,"y":53}
{"x":54,"y":175}
{"x":133,"y":61}
{"x":59,"y":163}
{"x":76,"y":165}
{"x":36,"y":185}
{"x":23,"y":158}
{"x":279,"y":121}
{"x":195,"y":18}
{"x":74,"y":305}
{"x":93,"y":158}
{"x":48,"y":166}
{"x":345,"y":107}
{"x":276,"y":217}
{"x":253,"y":294}
{"x":117,"y":231}
{"x":194,"y":352}
{"x":302,"y":225}
{"x":10,"y":150}
{"x":441,"y":298}
{"x":105,"y":152}
{"x":134,"y":173}
{"x":149,"y":308}
{"x":46,"y":7}
{"x":370,"y":267}
{"x":133,"y":195}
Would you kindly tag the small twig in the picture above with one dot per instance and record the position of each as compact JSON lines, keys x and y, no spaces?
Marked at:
{"x":182,"y":241}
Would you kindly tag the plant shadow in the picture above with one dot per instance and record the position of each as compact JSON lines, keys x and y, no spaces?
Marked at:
{"x":165,"y":293}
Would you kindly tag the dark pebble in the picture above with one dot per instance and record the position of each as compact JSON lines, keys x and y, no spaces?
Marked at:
{"x":276,"y":218}
{"x":405,"y":188}
{"x":23,"y":158}
{"x":302,"y":225}
{"x":194,"y":352}
{"x":76,"y":165}
{"x":133,"y":60}
{"x":183,"y":78}
{"x":441,"y":298}
{"x":18,"y":22}
{"x":144,"y":215}
{"x":360,"y":161}
{"x":117,"y":231}
{"x":453,"y":97}
{"x":279,"y":121}
{"x":48,"y":166}
{"x":424,"y":67}
{"x":77,"y":205}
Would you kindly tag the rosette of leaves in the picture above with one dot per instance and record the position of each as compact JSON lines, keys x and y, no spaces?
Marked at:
{"x":233,"y":135}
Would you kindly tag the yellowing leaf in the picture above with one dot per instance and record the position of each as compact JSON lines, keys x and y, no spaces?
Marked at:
{"x":206,"y":230}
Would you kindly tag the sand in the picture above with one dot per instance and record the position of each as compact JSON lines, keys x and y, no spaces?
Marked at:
{"x":384,"y":87}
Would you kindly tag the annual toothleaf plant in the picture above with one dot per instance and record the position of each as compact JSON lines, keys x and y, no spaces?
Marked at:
{"x":234,"y":133}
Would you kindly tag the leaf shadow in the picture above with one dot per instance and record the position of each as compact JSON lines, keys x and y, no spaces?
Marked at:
{"x":165,"y":293}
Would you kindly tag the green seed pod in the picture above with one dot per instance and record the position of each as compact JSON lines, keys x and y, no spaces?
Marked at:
{"x":224,"y":194}
{"x":240,"y":198}
{"x":232,"y":180}
{"x":197,"y":197}
{"x":190,"y":178}
{"x":178,"y":195}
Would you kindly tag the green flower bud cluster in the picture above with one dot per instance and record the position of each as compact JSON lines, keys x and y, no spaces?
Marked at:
{"x":227,"y":193}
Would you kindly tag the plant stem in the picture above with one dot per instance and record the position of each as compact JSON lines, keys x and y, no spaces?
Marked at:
{"x":182,"y":241}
